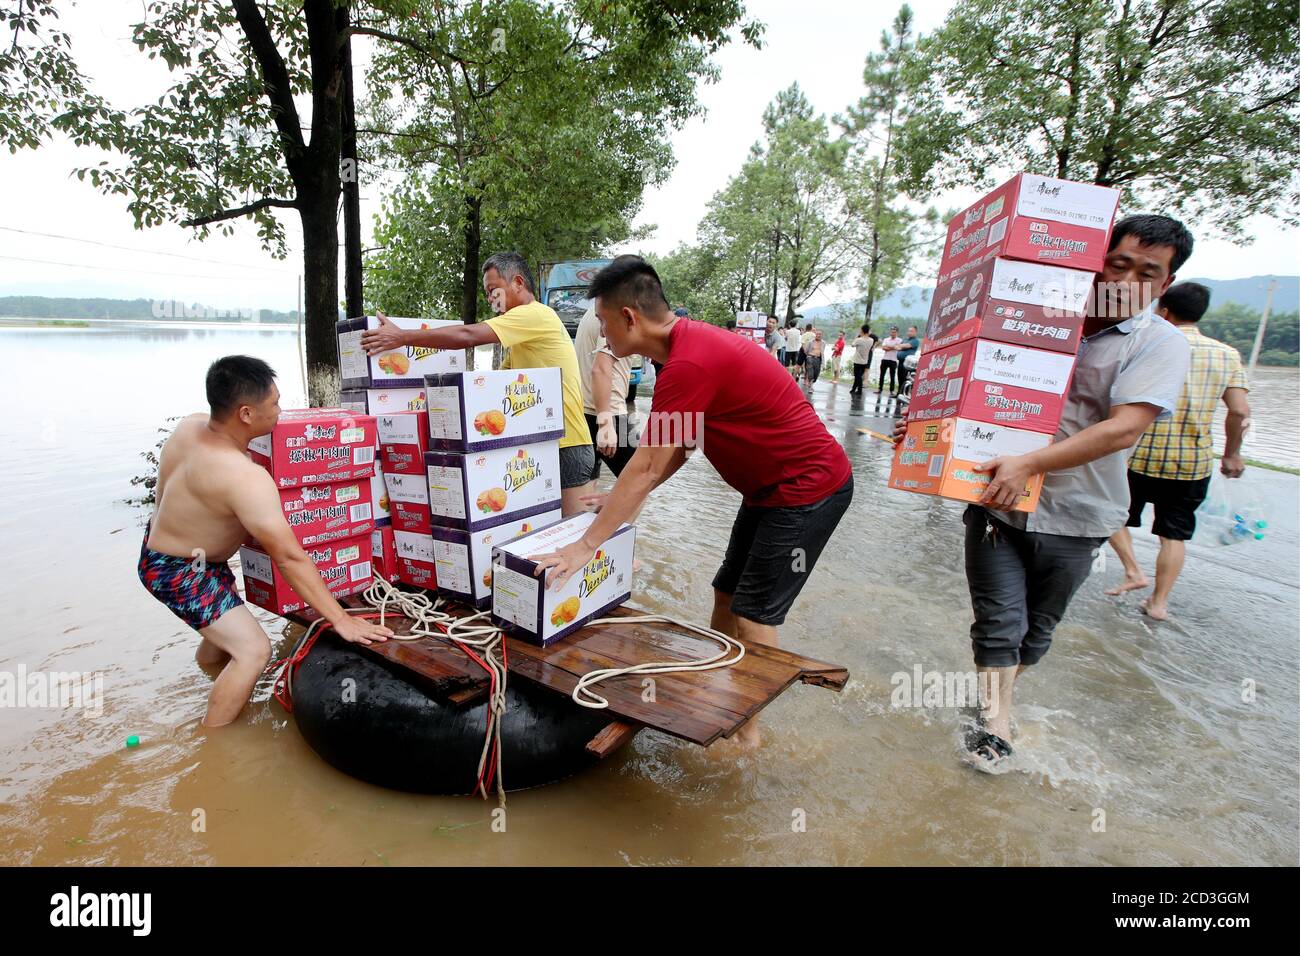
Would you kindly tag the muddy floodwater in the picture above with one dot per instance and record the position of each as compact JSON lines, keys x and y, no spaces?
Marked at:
{"x":1136,"y":743}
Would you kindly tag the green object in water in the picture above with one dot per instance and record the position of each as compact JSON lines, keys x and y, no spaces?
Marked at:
{"x":132,"y":741}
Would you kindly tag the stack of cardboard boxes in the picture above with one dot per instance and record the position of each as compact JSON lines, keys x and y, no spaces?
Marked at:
{"x":752,"y":325}
{"x":322,"y":460}
{"x":1004,"y":328}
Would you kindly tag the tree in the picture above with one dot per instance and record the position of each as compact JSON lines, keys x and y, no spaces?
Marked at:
{"x":528,"y":127}
{"x":891,"y":234}
{"x":1188,"y":106}
{"x":38,"y":74}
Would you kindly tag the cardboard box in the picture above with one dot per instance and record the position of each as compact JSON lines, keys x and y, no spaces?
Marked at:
{"x":383,"y":553}
{"x":751,"y":320}
{"x":523,"y":608}
{"x":343,"y":565}
{"x":408,"y":502}
{"x":938,"y":458}
{"x":476,"y":411}
{"x":464,"y":558}
{"x":354,"y":400}
{"x":1009,"y":301}
{"x":321,"y":513}
{"x":403,"y":440}
{"x":1036,"y":219}
{"x":992,"y":382}
{"x":405,"y":366}
{"x":415,"y":564}
{"x":754,"y":335}
{"x":312,"y":446}
{"x":379,"y":497}
{"x":489,"y":488}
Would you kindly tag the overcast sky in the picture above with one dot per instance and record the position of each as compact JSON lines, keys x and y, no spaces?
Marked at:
{"x":818,"y":43}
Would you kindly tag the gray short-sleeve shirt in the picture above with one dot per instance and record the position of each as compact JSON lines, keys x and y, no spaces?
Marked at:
{"x":1142,"y":360}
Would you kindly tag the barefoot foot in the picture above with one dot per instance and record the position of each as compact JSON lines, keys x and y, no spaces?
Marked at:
{"x":1130,"y":584}
{"x":1157,"y":612}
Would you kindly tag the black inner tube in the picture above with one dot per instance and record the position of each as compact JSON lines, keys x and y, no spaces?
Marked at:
{"x":386,"y":730}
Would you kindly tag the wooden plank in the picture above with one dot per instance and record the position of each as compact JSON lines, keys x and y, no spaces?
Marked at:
{"x":613,"y":736}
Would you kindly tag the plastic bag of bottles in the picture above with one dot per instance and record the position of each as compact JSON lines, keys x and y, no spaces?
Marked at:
{"x":1231,"y":513}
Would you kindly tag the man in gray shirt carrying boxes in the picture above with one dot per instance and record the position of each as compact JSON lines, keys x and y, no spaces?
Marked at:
{"x":1024,"y":568}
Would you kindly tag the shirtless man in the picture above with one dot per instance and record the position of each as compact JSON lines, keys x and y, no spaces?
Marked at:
{"x":210,"y":498}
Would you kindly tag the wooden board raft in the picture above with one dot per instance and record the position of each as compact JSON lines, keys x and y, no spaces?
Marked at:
{"x":699,"y":707}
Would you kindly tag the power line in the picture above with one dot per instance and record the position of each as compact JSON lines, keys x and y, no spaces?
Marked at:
{"x":151,"y":252}
{"x":82,"y":265}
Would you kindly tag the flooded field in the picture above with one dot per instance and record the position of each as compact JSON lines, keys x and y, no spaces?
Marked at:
{"x":1145,"y":728}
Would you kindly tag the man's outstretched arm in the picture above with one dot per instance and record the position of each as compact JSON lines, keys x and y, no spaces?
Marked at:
{"x":389,"y":336}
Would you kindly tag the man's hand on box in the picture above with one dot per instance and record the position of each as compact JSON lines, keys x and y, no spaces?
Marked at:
{"x":386,"y":338}
{"x":1007,"y":478}
{"x":562,"y":564}
{"x":900,"y":430}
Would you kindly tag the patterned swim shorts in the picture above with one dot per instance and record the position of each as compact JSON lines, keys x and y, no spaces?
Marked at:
{"x":196,"y":591}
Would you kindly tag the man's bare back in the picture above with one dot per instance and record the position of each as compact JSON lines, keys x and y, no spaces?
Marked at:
{"x":200,"y":474}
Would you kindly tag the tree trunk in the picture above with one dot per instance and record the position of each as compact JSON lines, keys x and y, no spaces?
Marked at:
{"x":471,"y":277}
{"x":320,"y":253}
{"x":351,"y":183}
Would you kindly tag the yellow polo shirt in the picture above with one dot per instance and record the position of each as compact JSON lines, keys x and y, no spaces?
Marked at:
{"x":536,"y":338}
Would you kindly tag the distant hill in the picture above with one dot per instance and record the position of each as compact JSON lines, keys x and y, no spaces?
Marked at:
{"x":47,"y":307}
{"x":912,"y":302}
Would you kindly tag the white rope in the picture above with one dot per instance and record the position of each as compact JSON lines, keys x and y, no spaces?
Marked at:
{"x":583,"y":696}
{"x":426,"y":613}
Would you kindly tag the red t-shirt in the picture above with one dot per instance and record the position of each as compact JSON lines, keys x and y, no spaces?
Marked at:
{"x":727,"y":395}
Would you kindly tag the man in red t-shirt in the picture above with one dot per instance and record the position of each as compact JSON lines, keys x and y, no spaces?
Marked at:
{"x":719,"y":393}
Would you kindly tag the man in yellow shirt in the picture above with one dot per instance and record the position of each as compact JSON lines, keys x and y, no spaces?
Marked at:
{"x":1172,"y":463}
{"x":536,"y":338}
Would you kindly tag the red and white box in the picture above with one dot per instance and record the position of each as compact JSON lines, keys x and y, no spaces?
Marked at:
{"x":312,"y":446}
{"x":464,"y":558}
{"x":1036,"y":219}
{"x":404,"y":366}
{"x":408,"y":502}
{"x":402,"y":420}
{"x":343,"y":565}
{"x":415,"y":559}
{"x":488,"y":488}
{"x":992,"y":382}
{"x":475,"y":411}
{"x":1010,"y":301}
{"x":383,"y":553}
{"x":751,"y":320}
{"x":321,"y":513}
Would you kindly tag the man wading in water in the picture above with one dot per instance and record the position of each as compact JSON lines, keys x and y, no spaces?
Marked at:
{"x":1023,"y":569}
{"x":210,"y":498}
{"x":753,"y":423}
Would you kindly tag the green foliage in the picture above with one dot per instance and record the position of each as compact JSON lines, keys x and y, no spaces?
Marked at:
{"x":528,"y":128}
{"x":1236,"y":324}
{"x":1191,"y":107}
{"x":38,"y":74}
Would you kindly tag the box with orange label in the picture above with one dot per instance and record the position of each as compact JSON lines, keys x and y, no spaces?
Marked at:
{"x":343,"y":565}
{"x":476,"y":411}
{"x":403,"y":366}
{"x":414,"y":556}
{"x":992,"y":382}
{"x":310,"y":446}
{"x":524,"y":608}
{"x":484,"y":489}
{"x":408,"y":502}
{"x":939,"y":458}
{"x":379,"y":497}
{"x":464,"y":558}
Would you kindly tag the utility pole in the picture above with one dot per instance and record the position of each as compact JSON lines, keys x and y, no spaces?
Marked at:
{"x":1263,"y":324}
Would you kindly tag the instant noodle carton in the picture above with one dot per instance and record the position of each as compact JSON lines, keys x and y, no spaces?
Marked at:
{"x":343,"y":565}
{"x":402,"y":420}
{"x":320,"y":513}
{"x":414,"y":556}
{"x":1035,"y":219}
{"x":1017,"y":302}
{"x":354,"y":400}
{"x":483,"y":489}
{"x":408,"y":502}
{"x":383,"y":553}
{"x":938,"y":458}
{"x":404,"y":366}
{"x":992,"y":382}
{"x":464,"y":558}
{"x":476,"y":411}
{"x":751,"y":320}
{"x":311,"y":446}
{"x":523,"y":608}
{"x":379,"y":497}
